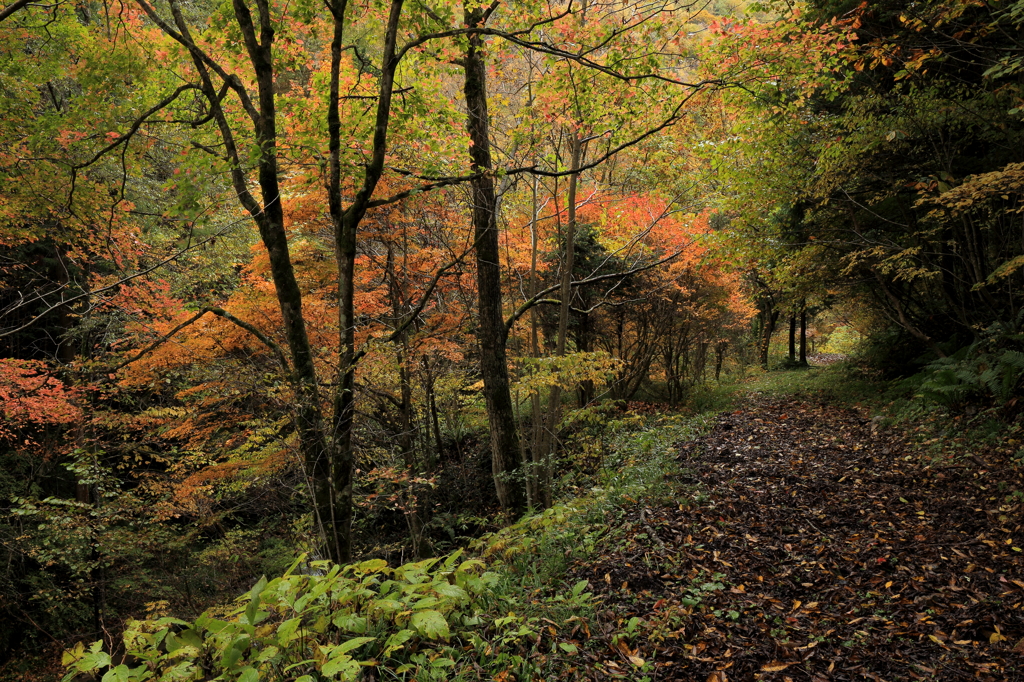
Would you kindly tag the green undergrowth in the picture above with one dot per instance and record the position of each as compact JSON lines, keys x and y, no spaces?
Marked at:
{"x":841,"y":383}
{"x":441,"y":619}
{"x":979,"y":435}
{"x":938,"y":428}
{"x":506,"y":609}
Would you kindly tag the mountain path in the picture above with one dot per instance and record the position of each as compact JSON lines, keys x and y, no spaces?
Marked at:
{"x":817,"y":548}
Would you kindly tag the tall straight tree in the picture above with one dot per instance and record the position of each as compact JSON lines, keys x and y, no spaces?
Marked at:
{"x":612,"y":106}
{"x":491,"y":323}
{"x":328,"y":461}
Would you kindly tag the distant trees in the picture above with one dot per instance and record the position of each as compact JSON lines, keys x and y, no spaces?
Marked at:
{"x":890,"y":165}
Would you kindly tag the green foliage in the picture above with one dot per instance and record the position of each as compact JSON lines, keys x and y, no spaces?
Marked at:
{"x":566,"y":372}
{"x":418,"y":619}
{"x":976,"y":374}
{"x":843,"y":340}
{"x":893,"y":171}
{"x":892,"y":351}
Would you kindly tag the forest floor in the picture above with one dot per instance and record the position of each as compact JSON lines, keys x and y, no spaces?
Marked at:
{"x":813,"y":546}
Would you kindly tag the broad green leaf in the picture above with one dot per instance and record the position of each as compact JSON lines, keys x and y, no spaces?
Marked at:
{"x":426,"y":603}
{"x":396,"y":641}
{"x":234,"y":651}
{"x":118,"y":674}
{"x":430,"y":624}
{"x":191,"y":638}
{"x":452,"y":591}
{"x":215,"y":626}
{"x":452,"y":558}
{"x":254,"y":600}
{"x":93,"y":661}
{"x":386,"y":605}
{"x":73,"y":654}
{"x":249,"y":674}
{"x":295,"y":564}
{"x":344,"y":667}
{"x":354,"y":643}
{"x":286,"y":630}
{"x":171,"y":642}
{"x":371,"y":566}
{"x":350,"y":622}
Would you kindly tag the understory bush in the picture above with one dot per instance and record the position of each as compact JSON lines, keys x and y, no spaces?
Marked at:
{"x":988,"y":372}
{"x":511,"y":612}
{"x":431,"y":620}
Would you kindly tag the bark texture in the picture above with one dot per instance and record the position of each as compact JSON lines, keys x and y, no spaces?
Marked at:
{"x":491,"y":323}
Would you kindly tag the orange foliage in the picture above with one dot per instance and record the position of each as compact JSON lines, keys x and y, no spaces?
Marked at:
{"x":31,"y":399}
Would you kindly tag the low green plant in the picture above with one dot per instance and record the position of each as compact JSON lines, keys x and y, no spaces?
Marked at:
{"x":430,"y":620}
{"x":697,"y":592}
{"x":630,"y":632}
{"x":974,"y":376}
{"x":517,"y":615}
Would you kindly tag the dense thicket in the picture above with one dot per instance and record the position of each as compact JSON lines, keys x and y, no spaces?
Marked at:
{"x":897,"y":179}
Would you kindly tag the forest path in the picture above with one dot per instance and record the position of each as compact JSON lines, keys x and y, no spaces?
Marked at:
{"x":820,"y":550}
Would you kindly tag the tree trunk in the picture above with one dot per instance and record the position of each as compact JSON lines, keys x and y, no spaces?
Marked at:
{"x":720,"y":348}
{"x":771,"y":317}
{"x":345,"y":222}
{"x":554,"y":415}
{"x":435,"y":422}
{"x":269,"y":218}
{"x":407,"y":429}
{"x":792,"y":338}
{"x":700,"y":364}
{"x":491,"y":324}
{"x":584,"y":344}
{"x":803,"y":334}
{"x":904,"y":320}
{"x":329,"y":462}
{"x":537,"y":474}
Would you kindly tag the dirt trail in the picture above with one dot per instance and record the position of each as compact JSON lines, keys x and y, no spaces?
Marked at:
{"x":821,"y":551}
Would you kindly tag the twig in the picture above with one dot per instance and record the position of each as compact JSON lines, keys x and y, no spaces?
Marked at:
{"x":650,"y":531}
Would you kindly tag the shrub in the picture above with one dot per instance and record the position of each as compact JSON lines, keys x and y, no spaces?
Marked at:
{"x":431,"y":620}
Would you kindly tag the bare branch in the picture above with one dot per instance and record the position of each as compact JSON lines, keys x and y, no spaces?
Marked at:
{"x":478,"y":30}
{"x":267,"y":341}
{"x":415,"y":312}
{"x":198,"y":54}
{"x":538,"y":298}
{"x":138,"y":123}
{"x":438,"y":182}
{"x":220,"y":312}
{"x":123,"y":138}
{"x":95,"y":292}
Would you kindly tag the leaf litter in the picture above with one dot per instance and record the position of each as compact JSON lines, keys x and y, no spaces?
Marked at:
{"x":814,"y":547}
